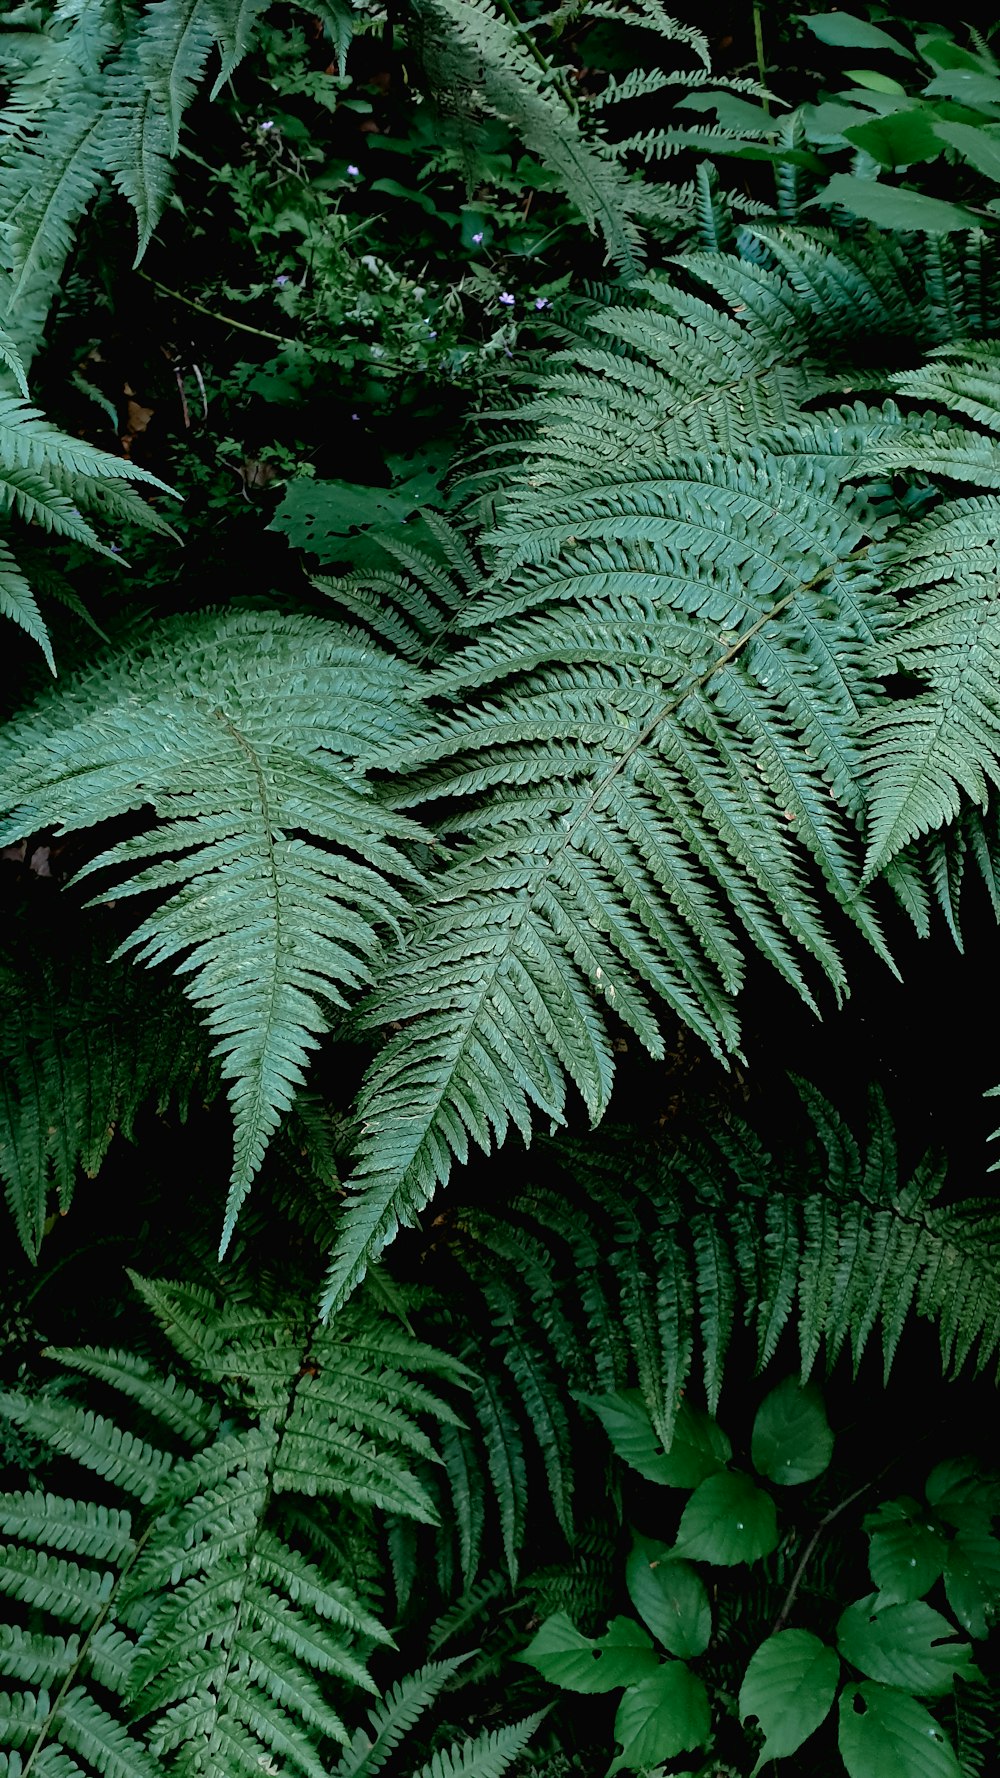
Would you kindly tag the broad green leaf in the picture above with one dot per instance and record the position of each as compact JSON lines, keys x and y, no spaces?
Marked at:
{"x":911,"y":1646}
{"x":886,"y":1734}
{"x":583,"y":1664}
{"x":961,"y":1482}
{"x":660,"y":1717}
{"x":972,"y":1578}
{"x":966,"y":86}
{"x":699,"y":1446}
{"x":792,"y":1441}
{"x":906,"y":1554}
{"x":890,"y":207}
{"x":789,"y":1687}
{"x":943,"y":52}
{"x":827,"y":122}
{"x":727,"y":1520}
{"x":898,"y":140}
{"x":876,"y":82}
{"x":732,"y":112}
{"x":980,"y":150}
{"x":670,"y":1598}
{"x":843,"y":31}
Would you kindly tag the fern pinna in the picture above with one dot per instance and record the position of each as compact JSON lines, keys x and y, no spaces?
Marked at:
{"x":201,"y":1626}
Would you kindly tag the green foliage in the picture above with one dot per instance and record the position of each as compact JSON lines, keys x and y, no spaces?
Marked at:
{"x":206,"y":1607}
{"x":903,"y":1651}
{"x":639,"y":771}
{"x":243,"y":738}
{"x":81,"y":1052}
{"x":661,"y":694}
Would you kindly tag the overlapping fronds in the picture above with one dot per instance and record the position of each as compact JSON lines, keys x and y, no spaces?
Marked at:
{"x":63,"y":487}
{"x":215,"y":1641}
{"x":273,"y":864}
{"x":635,"y":1266}
{"x":650,"y":750}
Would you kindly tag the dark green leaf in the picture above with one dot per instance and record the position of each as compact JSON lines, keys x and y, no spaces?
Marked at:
{"x":727,"y":1520}
{"x":898,"y":140}
{"x":792,"y":1441}
{"x":699,"y":1446}
{"x":885,"y":1734}
{"x":669,"y":1596}
{"x":842,"y":31}
{"x":910,"y":1645}
{"x":583,"y":1664}
{"x":981,"y":150}
{"x":789,"y":1687}
{"x":890,"y":207}
{"x":906,"y":1554}
{"x":660,"y":1717}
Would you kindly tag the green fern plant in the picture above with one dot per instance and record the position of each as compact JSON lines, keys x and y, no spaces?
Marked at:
{"x":626,"y":1277}
{"x":652,"y":746}
{"x":273,"y":862}
{"x":197,"y":1627}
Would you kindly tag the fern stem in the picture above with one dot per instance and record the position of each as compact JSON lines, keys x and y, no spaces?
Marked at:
{"x":40,"y":1738}
{"x":758,"y":38}
{"x":539,"y":56}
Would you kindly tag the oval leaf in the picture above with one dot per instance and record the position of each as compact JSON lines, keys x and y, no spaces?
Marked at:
{"x":792,"y":1441}
{"x":906,"y":1554}
{"x":660,"y":1717}
{"x":727,"y":1520}
{"x":670,"y":1598}
{"x":972,"y":1578}
{"x":885,"y":1734}
{"x":789,"y":1687}
{"x":583,"y":1664}
{"x":843,"y":31}
{"x":698,"y":1448}
{"x":911,"y":1645}
{"x":889,"y":207}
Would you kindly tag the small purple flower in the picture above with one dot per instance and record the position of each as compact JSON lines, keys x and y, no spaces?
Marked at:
{"x":478,"y":239}
{"x":354,"y":172}
{"x":542,"y":302}
{"x":432,"y":335}
{"x":268,"y":123}
{"x":281,"y":279}
{"x":115,"y":548}
{"x":355,"y":416}
{"x":507,"y":300}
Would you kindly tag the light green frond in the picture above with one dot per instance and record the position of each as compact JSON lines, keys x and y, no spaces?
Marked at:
{"x":243,"y":736}
{"x":175,"y":39}
{"x":487,"y":1756}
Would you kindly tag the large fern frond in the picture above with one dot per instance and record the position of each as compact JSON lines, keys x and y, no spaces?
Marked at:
{"x":684,"y":1244}
{"x":247,"y":736}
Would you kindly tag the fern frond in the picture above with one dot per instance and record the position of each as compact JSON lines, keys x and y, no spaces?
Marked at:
{"x":242,"y":734}
{"x":216,"y":1636}
{"x":930,"y":752}
{"x":837,"y":1245}
{"x":487,"y":1756}
{"x":175,"y":39}
{"x":84,"y":1047}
